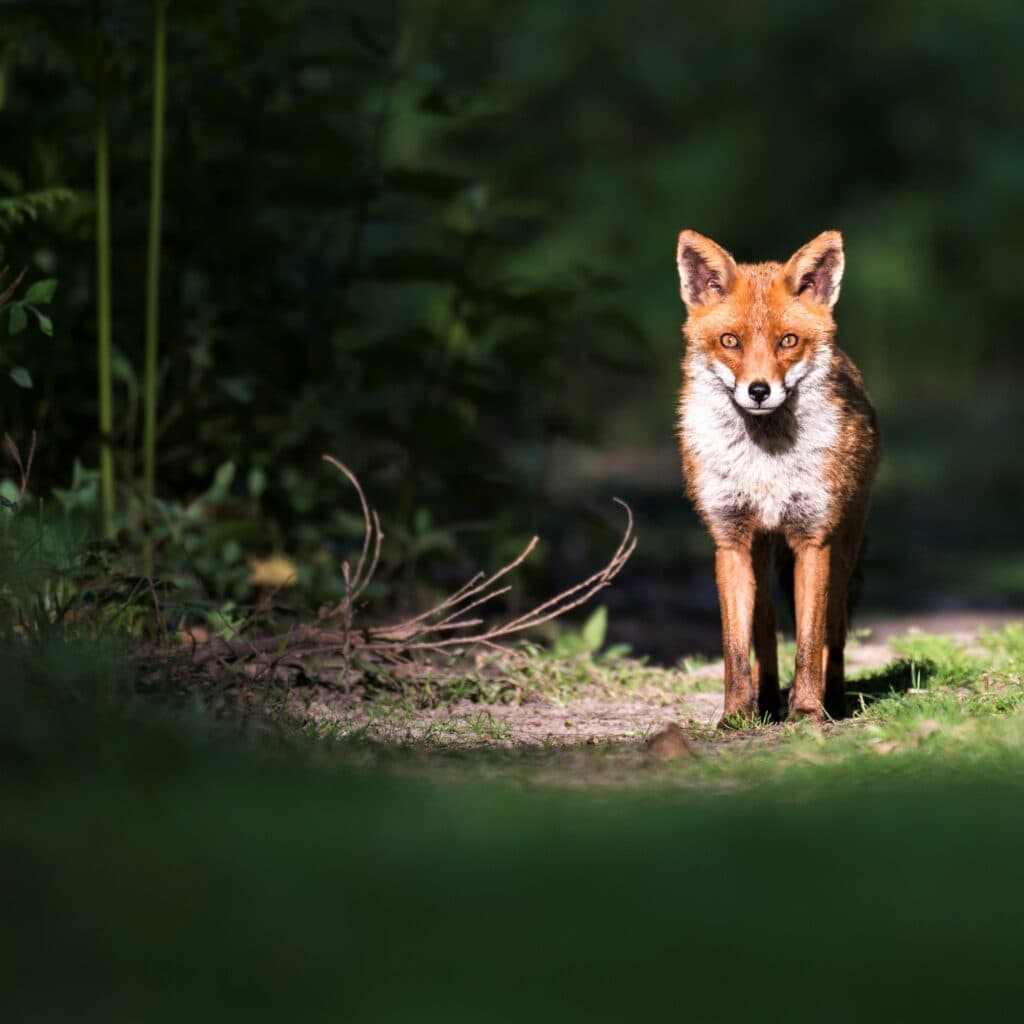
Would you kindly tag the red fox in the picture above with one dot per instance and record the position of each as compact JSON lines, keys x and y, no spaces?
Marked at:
{"x":779,"y":441}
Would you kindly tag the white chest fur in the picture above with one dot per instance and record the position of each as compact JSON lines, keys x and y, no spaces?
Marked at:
{"x":772,"y":467}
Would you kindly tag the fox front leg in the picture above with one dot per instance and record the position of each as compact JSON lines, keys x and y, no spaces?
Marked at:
{"x":734,"y":573}
{"x":810,"y":593}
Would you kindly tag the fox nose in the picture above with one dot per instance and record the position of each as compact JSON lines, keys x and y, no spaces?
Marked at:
{"x":759,"y":390}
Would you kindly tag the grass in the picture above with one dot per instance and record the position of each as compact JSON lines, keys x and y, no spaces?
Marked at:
{"x":161,"y":864}
{"x":505,"y":678}
{"x":939,"y":701}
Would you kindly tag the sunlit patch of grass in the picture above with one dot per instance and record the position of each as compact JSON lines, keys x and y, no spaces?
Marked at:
{"x":941,"y":699}
{"x":855,"y":636}
{"x":514,"y":676}
{"x":693,"y":662}
{"x":787,"y":660}
{"x":945,"y":651}
{"x":1005,"y":646}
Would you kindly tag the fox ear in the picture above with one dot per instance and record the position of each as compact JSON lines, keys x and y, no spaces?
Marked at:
{"x":815,"y":271}
{"x":706,"y":271}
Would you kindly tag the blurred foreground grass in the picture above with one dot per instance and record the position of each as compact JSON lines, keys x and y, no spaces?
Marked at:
{"x":160,"y":866}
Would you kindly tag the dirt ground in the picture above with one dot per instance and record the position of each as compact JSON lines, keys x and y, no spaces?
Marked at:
{"x":693,"y":701}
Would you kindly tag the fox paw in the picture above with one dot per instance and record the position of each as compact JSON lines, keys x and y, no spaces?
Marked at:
{"x":810,"y":712}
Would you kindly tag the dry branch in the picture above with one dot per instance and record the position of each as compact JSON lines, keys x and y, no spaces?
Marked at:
{"x":9,"y":291}
{"x":335,"y":636}
{"x":24,"y":466}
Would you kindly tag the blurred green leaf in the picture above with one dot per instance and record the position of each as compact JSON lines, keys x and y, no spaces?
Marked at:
{"x":41,"y":292}
{"x":238,"y":388}
{"x":595,"y":628}
{"x":17,"y":318}
{"x":21,"y":377}
{"x":222,"y":480}
{"x":588,"y":640}
{"x":257,"y":482}
{"x":45,"y":323}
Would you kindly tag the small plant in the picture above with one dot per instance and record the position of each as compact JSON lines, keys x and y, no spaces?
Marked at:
{"x":40,"y":293}
{"x":56,"y":583}
{"x":587,"y":640}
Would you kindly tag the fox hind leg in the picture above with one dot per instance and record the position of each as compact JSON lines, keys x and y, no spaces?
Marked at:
{"x":766,"y":664}
{"x":844,"y":583}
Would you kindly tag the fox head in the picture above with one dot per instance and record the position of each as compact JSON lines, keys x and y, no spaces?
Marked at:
{"x":760,"y":328}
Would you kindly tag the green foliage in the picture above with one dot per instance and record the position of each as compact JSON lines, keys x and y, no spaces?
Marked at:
{"x":434,"y":241}
{"x":39,"y":293}
{"x":17,"y":319}
{"x":57,"y":584}
{"x":588,"y":640}
{"x":17,"y":210}
{"x":367,"y":292}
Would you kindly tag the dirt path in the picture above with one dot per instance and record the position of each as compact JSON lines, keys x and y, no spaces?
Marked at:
{"x":692,"y":699}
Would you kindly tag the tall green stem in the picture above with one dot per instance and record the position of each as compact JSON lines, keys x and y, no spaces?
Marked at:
{"x":103,"y":281}
{"x":153,"y":265}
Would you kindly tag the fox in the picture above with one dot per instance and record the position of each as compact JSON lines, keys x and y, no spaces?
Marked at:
{"x":779,"y":443}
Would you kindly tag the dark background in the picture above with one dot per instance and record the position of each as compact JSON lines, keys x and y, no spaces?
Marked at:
{"x":437,"y":240}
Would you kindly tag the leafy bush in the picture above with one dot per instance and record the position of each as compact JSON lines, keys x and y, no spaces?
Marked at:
{"x":362,"y":291}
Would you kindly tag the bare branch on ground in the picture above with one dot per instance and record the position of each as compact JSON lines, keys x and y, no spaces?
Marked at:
{"x":441,"y":630}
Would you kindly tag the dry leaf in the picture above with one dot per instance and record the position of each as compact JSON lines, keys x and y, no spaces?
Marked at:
{"x":273,"y":571}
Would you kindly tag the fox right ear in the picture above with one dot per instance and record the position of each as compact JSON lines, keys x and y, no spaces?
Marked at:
{"x":706,"y":270}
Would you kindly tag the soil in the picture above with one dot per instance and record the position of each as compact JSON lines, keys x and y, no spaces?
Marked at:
{"x":660,"y":719}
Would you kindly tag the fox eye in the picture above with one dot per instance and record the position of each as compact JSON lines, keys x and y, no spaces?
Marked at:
{"x":730,"y":341}
{"x":788,"y":341}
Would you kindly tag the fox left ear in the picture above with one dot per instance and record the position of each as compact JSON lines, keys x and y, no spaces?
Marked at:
{"x":815,"y":271}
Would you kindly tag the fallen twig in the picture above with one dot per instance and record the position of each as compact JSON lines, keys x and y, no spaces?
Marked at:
{"x":438,"y":630}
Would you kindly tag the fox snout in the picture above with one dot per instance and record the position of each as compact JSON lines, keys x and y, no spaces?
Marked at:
{"x":756,"y":393}
{"x":759,"y":397}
